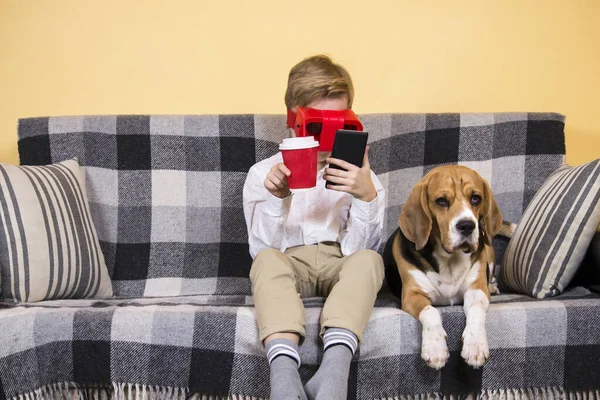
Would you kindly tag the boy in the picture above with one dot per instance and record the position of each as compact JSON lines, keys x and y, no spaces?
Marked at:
{"x":318,"y":241}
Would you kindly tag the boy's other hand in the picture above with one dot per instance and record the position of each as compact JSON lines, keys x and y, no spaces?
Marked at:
{"x":276,"y":182}
{"x":356,"y":181}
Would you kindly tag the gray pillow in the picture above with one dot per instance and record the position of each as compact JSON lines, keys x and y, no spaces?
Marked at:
{"x":554,"y":232}
{"x":49,"y":248}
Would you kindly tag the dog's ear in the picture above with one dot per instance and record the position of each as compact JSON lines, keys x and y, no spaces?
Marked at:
{"x":415,"y":218}
{"x":491,"y":215}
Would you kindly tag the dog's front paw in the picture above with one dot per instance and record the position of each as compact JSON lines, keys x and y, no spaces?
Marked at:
{"x":434,"y":349}
{"x":475,"y":349}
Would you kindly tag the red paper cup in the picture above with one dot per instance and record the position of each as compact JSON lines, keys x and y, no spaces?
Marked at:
{"x":300,"y":157}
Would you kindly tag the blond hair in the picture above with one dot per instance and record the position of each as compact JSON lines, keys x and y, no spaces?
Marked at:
{"x":317,"y":77}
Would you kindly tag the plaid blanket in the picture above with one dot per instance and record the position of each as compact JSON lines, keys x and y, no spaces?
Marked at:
{"x":165,"y":192}
{"x":208,"y":346}
{"x":166,"y":197}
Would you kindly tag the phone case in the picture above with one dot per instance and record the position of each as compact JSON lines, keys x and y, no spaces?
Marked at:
{"x":349,"y":146}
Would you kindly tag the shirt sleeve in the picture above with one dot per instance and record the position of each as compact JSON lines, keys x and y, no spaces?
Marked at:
{"x":265,"y":214}
{"x":365,"y":223}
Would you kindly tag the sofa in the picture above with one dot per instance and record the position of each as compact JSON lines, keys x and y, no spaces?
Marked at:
{"x":165,"y":194}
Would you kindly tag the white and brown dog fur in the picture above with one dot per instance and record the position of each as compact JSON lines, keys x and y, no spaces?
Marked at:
{"x":442,"y":255}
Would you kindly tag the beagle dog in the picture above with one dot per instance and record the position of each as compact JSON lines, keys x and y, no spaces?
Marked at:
{"x":442,"y":255}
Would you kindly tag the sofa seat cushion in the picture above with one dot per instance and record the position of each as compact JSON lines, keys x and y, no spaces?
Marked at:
{"x":209,"y":345}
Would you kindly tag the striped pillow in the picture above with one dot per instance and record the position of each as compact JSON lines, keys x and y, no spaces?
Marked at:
{"x":48,"y":243}
{"x":554,"y":232}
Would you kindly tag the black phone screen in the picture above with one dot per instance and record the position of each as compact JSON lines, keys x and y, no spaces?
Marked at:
{"x":349,"y":146}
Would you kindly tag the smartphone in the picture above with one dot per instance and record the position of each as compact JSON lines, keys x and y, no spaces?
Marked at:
{"x":349,"y":146}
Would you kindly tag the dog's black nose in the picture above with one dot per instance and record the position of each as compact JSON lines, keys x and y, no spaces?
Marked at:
{"x":465,"y":227}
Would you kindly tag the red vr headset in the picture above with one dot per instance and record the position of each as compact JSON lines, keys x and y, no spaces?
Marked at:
{"x":322,"y":124}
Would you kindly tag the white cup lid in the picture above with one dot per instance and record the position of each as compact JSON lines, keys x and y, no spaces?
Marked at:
{"x":297,"y":143}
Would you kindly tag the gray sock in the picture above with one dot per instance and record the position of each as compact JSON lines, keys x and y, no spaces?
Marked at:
{"x":284,"y":361}
{"x":331,"y":380}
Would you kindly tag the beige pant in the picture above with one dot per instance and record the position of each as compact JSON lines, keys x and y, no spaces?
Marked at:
{"x":279,"y":280}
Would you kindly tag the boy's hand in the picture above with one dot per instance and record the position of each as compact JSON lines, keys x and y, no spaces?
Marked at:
{"x":276,"y":181}
{"x":356,"y":181}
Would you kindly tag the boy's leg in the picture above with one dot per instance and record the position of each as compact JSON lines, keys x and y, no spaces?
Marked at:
{"x":330,"y":382}
{"x":284,"y":361}
{"x":352,"y":284}
{"x":276,"y":280}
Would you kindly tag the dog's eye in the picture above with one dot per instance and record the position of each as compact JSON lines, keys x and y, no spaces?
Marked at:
{"x":442,"y":202}
{"x":475,"y":200}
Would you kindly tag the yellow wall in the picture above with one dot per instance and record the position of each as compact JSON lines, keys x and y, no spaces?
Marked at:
{"x":66,"y":57}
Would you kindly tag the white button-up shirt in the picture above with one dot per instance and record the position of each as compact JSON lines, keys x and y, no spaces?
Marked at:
{"x":310,"y":216}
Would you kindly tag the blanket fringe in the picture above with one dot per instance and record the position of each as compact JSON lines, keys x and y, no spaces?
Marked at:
{"x":547,"y":393}
{"x":121,"y":391}
{"x":136,"y":391}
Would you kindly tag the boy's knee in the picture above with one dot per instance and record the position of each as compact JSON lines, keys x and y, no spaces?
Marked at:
{"x":273,"y":258}
{"x":368,"y":261}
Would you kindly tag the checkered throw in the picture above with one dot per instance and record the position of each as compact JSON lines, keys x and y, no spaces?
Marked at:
{"x":165,"y":192}
{"x":208,"y":345}
{"x":166,"y":197}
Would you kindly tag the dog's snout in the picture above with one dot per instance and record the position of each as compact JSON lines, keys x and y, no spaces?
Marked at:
{"x":465,"y":227}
